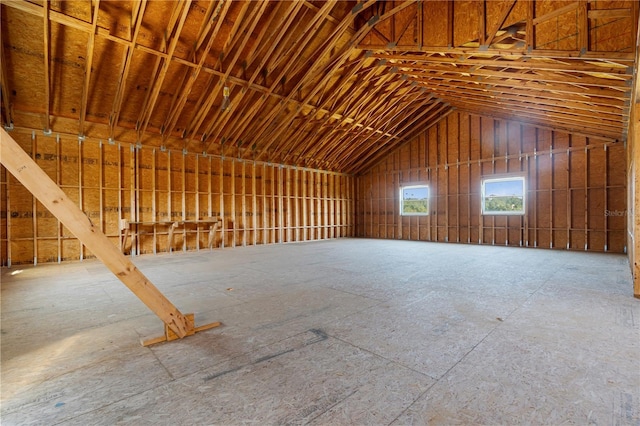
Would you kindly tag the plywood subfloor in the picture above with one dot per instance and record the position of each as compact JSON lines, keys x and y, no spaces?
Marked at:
{"x":348,"y":331}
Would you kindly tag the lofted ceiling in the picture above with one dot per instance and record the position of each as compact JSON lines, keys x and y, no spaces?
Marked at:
{"x":324,"y":84}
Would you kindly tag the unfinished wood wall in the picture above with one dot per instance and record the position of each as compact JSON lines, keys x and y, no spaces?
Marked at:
{"x":259,"y":203}
{"x":576,"y":187}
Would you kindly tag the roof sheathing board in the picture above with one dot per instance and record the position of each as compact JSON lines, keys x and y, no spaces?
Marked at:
{"x":67,"y":69}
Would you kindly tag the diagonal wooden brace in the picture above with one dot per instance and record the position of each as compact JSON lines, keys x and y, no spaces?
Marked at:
{"x":29,"y":174}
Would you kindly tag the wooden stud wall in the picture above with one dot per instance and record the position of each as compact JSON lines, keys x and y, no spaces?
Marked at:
{"x":259,"y":203}
{"x":576,"y":187}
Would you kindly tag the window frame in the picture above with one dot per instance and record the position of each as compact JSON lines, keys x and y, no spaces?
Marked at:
{"x":506,"y":178}
{"x":414,"y":185}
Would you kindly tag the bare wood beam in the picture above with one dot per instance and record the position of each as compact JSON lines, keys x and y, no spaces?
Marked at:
{"x":310,"y":73}
{"x":374,"y":100}
{"x":208,"y":101}
{"x":559,"y":122}
{"x":4,"y":83}
{"x":588,"y":105}
{"x":309,"y":31}
{"x":248,"y":32}
{"x":523,"y":104}
{"x":451,"y":31}
{"x":327,"y":71}
{"x":203,"y":31}
{"x":515,"y":52}
{"x":500,"y":23}
{"x":291,"y":13}
{"x":338,"y":88}
{"x":87,"y":68}
{"x":371,"y":155}
{"x":577,"y":130}
{"x":159,"y":81}
{"x":541,"y":87}
{"x":217,"y":122}
{"x":174,"y":114}
{"x":239,"y":127}
{"x":618,"y":84}
{"x":571,"y":65}
{"x":482,"y":22}
{"x":611,"y":125}
{"x":47,"y":71}
{"x":583,"y":26}
{"x":554,"y":14}
{"x":211,"y":17}
{"x":363,"y":146}
{"x":126,"y":65}
{"x":530,"y":28}
{"x":394,"y":106}
{"x":610,"y":13}
{"x":25,"y":170}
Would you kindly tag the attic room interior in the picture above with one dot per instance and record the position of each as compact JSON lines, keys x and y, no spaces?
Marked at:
{"x":333,"y":212}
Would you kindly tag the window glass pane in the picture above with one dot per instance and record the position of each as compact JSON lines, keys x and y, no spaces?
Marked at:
{"x":414,"y":200}
{"x":503,"y":196}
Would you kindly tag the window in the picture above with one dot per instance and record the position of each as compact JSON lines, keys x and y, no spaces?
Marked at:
{"x":503,"y":196}
{"x":414,"y":200}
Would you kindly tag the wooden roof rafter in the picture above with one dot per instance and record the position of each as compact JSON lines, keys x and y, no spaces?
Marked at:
{"x":47,"y":68}
{"x":499,"y":115}
{"x":618,"y":84}
{"x":7,"y":117}
{"x":240,"y":124}
{"x":529,"y":85}
{"x":218,"y":113}
{"x":489,"y":38}
{"x":87,"y":68}
{"x":186,"y":87}
{"x":506,"y":100}
{"x":363,"y":144}
{"x":438,"y":112}
{"x":369,"y":103}
{"x":238,"y":31}
{"x":587,"y":104}
{"x":211,"y":18}
{"x":310,"y":31}
{"x":221,"y":118}
{"x":392,"y":105}
{"x":298,"y":46}
{"x":339,"y":87}
{"x":126,"y":65}
{"x":174,"y":35}
{"x":350,"y":101}
{"x":560,"y":121}
{"x":569,"y":64}
{"x":549,"y":65}
{"x":328,"y":70}
{"x":185,"y":73}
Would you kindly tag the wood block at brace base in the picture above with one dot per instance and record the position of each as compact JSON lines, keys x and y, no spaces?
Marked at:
{"x":169,"y":335}
{"x":191,"y":328}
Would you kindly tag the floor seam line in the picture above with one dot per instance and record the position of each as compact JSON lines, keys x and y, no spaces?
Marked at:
{"x":472,"y":349}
